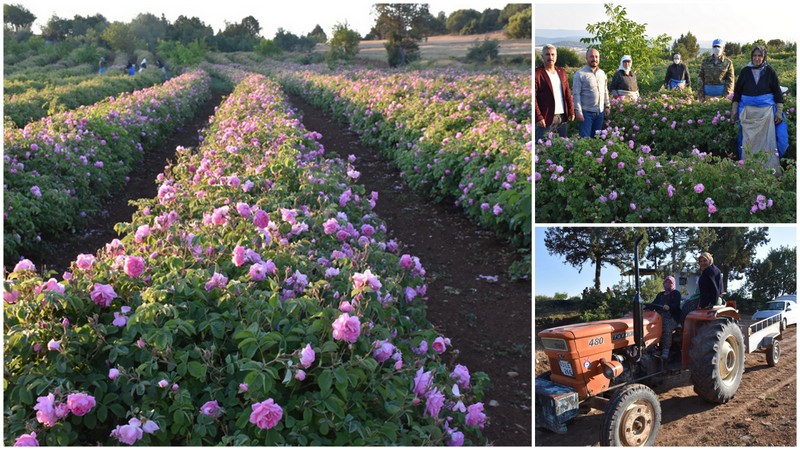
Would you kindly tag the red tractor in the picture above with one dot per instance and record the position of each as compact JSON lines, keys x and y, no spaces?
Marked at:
{"x":611,"y":364}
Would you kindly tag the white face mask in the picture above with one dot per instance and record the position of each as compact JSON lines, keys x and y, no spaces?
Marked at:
{"x":717,"y":51}
{"x":676,"y":60}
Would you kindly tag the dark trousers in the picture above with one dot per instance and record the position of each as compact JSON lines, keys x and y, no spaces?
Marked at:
{"x":559,"y":126}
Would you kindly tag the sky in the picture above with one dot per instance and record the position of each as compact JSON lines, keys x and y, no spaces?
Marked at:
{"x":553,"y":274}
{"x":732,"y":21}
{"x":298,"y":17}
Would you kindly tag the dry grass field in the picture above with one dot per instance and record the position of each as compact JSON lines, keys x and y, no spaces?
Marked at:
{"x":444,"y":48}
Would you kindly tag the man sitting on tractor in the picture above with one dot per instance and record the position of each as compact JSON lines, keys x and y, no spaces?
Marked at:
{"x":669,"y":301}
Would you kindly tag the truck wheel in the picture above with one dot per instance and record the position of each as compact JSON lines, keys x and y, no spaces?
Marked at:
{"x":774,"y":353}
{"x":633,"y":417}
{"x":716,"y":360}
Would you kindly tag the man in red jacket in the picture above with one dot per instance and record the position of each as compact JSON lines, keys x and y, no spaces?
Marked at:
{"x":553,"y":97}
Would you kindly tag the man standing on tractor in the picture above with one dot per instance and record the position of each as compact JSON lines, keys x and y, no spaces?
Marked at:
{"x":670,"y":301}
{"x":709,"y":286}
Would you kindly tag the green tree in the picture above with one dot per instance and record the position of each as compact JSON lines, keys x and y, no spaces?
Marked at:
{"x":510,"y":10}
{"x":774,"y":275}
{"x":619,"y":36}
{"x":318,"y":34}
{"x":687,"y":46}
{"x":344,"y":43}
{"x":56,"y":29}
{"x":489,"y":21}
{"x":600,"y":246}
{"x":485,"y":51}
{"x":17,"y":16}
{"x":566,"y":57}
{"x":119,"y":36}
{"x":462,"y":20}
{"x":267,"y":47}
{"x":286,"y":40}
{"x":187,"y":30}
{"x":242,"y":36}
{"x":519,"y":25}
{"x":733,"y":49}
{"x":149,"y":28}
{"x":776,"y":45}
{"x":402,"y":25}
{"x":81,"y":27}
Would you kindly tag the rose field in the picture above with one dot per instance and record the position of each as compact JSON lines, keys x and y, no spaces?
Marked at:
{"x":257,"y":298}
{"x":664,"y":158}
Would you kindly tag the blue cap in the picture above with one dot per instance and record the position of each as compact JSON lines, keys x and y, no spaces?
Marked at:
{"x":718,"y":43}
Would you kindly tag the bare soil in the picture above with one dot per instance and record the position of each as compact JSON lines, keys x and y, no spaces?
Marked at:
{"x":488,"y":323}
{"x":763,"y":412}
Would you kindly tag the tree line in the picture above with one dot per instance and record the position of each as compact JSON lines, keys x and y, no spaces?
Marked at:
{"x":402,"y":25}
{"x":672,"y":250}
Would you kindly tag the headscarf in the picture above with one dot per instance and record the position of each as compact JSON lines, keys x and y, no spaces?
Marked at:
{"x":673,"y":283}
{"x":707,"y":256}
{"x":625,"y":58}
{"x":759,"y":69}
{"x":763,"y":52}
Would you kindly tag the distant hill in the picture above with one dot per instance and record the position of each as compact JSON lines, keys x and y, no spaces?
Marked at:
{"x":561,"y":37}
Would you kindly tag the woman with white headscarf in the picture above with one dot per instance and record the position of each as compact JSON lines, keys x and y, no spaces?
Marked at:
{"x":624,"y":84}
{"x":758,"y":106}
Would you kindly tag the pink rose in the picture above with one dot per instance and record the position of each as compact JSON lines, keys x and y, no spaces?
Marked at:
{"x":461,"y":375}
{"x":300,"y":375}
{"x":113,"y":373}
{"x":439,"y":345}
{"x":266,"y":414}
{"x":346,"y":328}
{"x":433,"y":403}
{"x":366,"y":279}
{"x":383,"y":350}
{"x":53,"y":345}
{"x":134,"y":266}
{"x":239,"y":257}
{"x":163,"y":383}
{"x":46,"y":413}
{"x":210,"y":408}
{"x":52,"y":285}
{"x":258,"y":272}
{"x":62,"y":410}
{"x":150,"y":427}
{"x":102,"y":294}
{"x":243,"y":209}
{"x":406,"y":262}
{"x":699,"y":188}
{"x":422,"y":382}
{"x":330,"y":226}
{"x":127,"y":434}
{"x":456,"y":439}
{"x":261,"y":219}
{"x":26,"y":440}
{"x":307,"y":356}
{"x":25,"y":264}
{"x":475,"y":415}
{"x":141,"y":233}
{"x":85,"y":261}
{"x":80,"y":403}
{"x":11,"y":297}
{"x":220,"y":216}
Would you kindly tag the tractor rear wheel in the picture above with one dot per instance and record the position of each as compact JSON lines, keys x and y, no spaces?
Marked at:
{"x":633,"y":417}
{"x":717,"y":360}
{"x":773,"y":353}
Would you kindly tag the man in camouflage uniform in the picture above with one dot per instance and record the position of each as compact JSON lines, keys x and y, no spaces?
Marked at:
{"x":716,"y":74}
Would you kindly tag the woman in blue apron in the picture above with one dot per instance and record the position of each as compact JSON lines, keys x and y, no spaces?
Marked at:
{"x":677,"y":74}
{"x":758,"y":107}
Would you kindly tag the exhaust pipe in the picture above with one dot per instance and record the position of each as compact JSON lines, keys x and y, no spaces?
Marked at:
{"x":638,"y":321}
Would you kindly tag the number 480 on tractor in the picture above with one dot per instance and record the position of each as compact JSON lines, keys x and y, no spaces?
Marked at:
{"x":611,"y":364}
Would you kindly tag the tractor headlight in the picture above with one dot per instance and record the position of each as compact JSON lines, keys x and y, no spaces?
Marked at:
{"x":554,"y":344}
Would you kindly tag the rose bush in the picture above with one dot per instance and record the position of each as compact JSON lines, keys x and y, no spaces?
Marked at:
{"x":455,"y":135}
{"x":675,"y":122}
{"x":612,"y":180}
{"x":59,"y":168}
{"x":39,"y":100}
{"x":214,"y":353}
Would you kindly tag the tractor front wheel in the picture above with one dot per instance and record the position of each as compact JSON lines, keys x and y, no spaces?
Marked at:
{"x":717,"y":360}
{"x":633,"y":417}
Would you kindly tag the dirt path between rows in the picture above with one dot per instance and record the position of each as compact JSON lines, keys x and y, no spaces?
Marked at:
{"x":488,"y":323}
{"x":763,"y":412}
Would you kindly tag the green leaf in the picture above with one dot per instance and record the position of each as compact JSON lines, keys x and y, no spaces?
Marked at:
{"x":197,"y":370}
{"x":325,"y":380}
